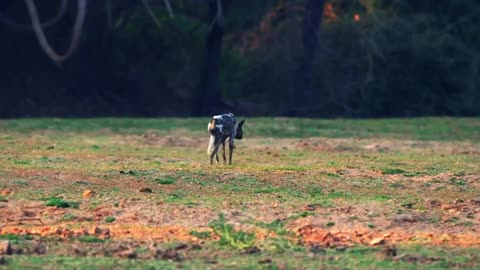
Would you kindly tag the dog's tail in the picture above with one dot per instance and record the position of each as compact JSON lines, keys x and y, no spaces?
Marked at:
{"x":211,"y":145}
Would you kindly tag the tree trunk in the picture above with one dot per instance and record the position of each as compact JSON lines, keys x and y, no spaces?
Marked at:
{"x":301,"y":85}
{"x":208,"y":97}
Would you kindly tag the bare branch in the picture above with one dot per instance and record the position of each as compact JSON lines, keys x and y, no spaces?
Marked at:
{"x":62,"y":9}
{"x":150,"y":12}
{"x":219,"y":17}
{"x":42,"y":40}
{"x":169,"y":8}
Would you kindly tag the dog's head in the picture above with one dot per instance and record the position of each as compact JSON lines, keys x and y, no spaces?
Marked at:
{"x":239,"y":130}
{"x":212,"y":127}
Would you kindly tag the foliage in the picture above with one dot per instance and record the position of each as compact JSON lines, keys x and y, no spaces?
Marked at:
{"x":165,"y":181}
{"x":110,"y":219}
{"x":398,"y":58}
{"x":61,"y":203}
{"x":201,"y":234}
{"x":90,"y":239}
{"x":229,"y":236}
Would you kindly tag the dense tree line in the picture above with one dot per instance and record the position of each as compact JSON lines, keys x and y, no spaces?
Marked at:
{"x":350,"y":58}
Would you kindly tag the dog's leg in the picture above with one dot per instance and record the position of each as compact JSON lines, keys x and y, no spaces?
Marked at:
{"x":231,"y":146}
{"x":224,"y":154}
{"x":214,"y":153}
{"x":230,"y":154}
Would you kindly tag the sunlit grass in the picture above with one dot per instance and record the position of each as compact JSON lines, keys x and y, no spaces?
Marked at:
{"x":274,"y":170}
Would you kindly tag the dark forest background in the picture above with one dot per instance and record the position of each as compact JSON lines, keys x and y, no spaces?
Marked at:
{"x":325,"y":58}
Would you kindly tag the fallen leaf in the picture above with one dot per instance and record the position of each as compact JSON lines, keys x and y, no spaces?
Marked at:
{"x":88,"y":193}
{"x":145,"y":190}
{"x":6,"y":192}
{"x":377,"y":241}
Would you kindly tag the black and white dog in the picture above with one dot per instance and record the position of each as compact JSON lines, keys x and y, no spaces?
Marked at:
{"x":220,"y":128}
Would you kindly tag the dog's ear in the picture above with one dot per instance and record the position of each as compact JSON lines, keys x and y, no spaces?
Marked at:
{"x":241,"y":123}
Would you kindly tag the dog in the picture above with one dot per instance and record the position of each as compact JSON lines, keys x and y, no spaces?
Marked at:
{"x":220,"y":128}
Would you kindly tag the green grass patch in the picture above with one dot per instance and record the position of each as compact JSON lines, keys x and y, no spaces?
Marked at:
{"x":69,"y":217}
{"x":330,"y":224}
{"x":21,"y":182}
{"x":90,"y":239}
{"x":110,"y":219}
{"x":382,"y":197}
{"x":292,"y":257}
{"x":315,"y":191}
{"x":392,"y":171}
{"x":422,"y":128}
{"x":458,"y":182}
{"x":61,"y":203}
{"x":336,"y":194}
{"x":15,"y":238}
{"x":165,"y":181}
{"x":174,"y":197}
{"x":201,"y":234}
{"x":230,"y":237}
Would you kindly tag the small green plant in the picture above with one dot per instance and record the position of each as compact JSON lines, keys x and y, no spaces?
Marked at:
{"x":453,"y":220}
{"x":315,"y":191}
{"x":281,"y":245}
{"x":276,"y":226}
{"x":267,"y":190}
{"x":382,"y":197}
{"x":21,"y":162}
{"x":68,"y":217}
{"x":397,"y":185}
{"x":110,"y":219}
{"x":330,"y":224}
{"x":306,"y":214}
{"x":10,"y":237}
{"x":340,"y":194}
{"x":116,"y":204}
{"x":173,"y":197}
{"x":20,"y":182}
{"x":434,"y":219}
{"x":412,"y":174}
{"x":14,"y":238}
{"x":465,"y":223}
{"x":230,"y":237}
{"x":370,"y":225}
{"x":407,"y":204}
{"x":61,"y":203}
{"x":392,"y":171}
{"x":53,"y":159}
{"x":190,"y":203}
{"x":130,"y":172}
{"x":90,"y":239}
{"x":165,"y":181}
{"x":95,"y":147}
{"x":201,"y":234}
{"x":458,"y":182}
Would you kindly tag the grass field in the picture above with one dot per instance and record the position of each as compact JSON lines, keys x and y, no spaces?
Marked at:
{"x":302,"y":194}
